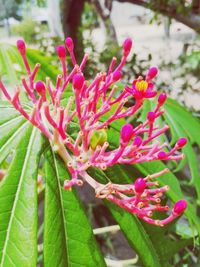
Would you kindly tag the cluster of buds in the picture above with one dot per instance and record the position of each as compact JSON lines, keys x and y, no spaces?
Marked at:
{"x":89,"y":147}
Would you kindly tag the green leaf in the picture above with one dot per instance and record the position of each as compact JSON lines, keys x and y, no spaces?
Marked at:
{"x":6,"y":64}
{"x":68,"y":237}
{"x":136,"y":235}
{"x":184,"y":124}
{"x":170,"y":247}
{"x":46,"y":69}
{"x":18,"y":204}
{"x":12,"y":132}
{"x":7,"y":112}
{"x":185,"y":118}
{"x":165,"y":242}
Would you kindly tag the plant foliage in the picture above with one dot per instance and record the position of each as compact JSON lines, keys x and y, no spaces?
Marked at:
{"x":68,"y":239}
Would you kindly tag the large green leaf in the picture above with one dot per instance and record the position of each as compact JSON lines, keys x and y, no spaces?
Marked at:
{"x":18,"y":204}
{"x":185,"y":118}
{"x":184,"y":124}
{"x":12,"y":128}
{"x":7,"y":112}
{"x":68,"y":237}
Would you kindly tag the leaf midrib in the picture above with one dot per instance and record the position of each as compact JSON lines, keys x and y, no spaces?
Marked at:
{"x":62,"y":208}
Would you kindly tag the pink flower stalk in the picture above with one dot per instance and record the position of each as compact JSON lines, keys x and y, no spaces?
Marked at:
{"x":90,"y":147}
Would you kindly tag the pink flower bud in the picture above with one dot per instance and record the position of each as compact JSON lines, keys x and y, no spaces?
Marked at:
{"x":161,"y":155}
{"x":151,"y":73}
{"x":40,"y":88}
{"x":126,"y":133}
{"x":117,"y":75}
{"x":140,"y":185}
{"x":137,"y":141}
{"x":78,"y":81}
{"x":151,"y":116}
{"x":179,"y":207}
{"x":162,"y":98}
{"x":61,"y":51}
{"x":21,"y":46}
{"x":181,"y":142}
{"x":69,"y":44}
{"x":127,"y":46}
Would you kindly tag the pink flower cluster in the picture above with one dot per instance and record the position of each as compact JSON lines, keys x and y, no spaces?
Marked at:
{"x":89,"y":102}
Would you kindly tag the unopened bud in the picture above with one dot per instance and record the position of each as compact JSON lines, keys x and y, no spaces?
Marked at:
{"x":69,"y":44}
{"x":40,"y":88}
{"x":127,"y":46}
{"x":179,"y":207}
{"x":162,"y":155}
{"x":181,"y":142}
{"x":151,"y":116}
{"x":117,"y":75}
{"x":21,"y":46}
{"x":153,"y":71}
{"x":162,"y":98}
{"x":137,"y":141}
{"x":78,"y":81}
{"x":140,"y":185}
{"x":98,"y":138}
{"x":61,"y":51}
{"x":126,"y":133}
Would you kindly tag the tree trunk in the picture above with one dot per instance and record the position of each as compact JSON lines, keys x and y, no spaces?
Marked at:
{"x":111,"y":35}
{"x":71,"y":20}
{"x":196,"y":6}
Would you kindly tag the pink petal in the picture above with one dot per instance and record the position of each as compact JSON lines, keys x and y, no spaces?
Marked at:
{"x":134,"y":83}
{"x":150,"y":94}
{"x":150,"y":87}
{"x":128,"y":89}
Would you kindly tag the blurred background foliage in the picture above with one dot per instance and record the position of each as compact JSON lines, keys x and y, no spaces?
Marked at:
{"x":44,"y":29}
{"x":45,"y":23}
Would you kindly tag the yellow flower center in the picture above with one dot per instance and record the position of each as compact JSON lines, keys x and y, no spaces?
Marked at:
{"x":141,"y":86}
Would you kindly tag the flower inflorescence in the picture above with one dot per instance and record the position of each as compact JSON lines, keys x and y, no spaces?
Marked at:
{"x":90,"y":148}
